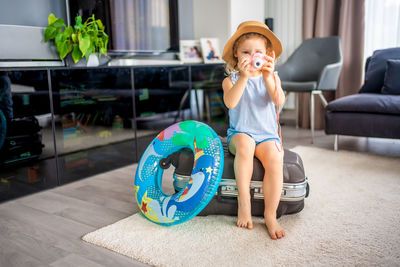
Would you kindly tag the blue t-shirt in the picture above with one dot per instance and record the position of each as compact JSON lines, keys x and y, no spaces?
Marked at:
{"x":255,"y":113}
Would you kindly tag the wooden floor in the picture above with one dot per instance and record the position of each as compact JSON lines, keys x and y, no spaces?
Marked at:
{"x":45,"y":228}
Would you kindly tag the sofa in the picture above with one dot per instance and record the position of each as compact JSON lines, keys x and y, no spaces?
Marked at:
{"x":375,"y":110}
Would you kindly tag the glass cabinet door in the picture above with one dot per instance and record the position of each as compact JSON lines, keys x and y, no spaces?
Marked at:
{"x":161,"y":99}
{"x":207,"y":78}
{"x":86,"y":121}
{"x":27,"y":155}
{"x":94,"y":120}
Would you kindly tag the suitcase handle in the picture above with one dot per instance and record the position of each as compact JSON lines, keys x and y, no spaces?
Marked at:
{"x":220,"y":198}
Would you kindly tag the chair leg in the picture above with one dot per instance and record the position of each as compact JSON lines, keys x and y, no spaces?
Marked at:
{"x":336,"y":142}
{"x":323,"y":99}
{"x":312,"y":110}
{"x":297,"y":109}
{"x":312,"y":116}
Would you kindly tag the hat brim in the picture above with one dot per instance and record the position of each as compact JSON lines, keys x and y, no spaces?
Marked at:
{"x":276,"y":44}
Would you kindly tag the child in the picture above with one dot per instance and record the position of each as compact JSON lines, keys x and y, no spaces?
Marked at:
{"x":251,"y":95}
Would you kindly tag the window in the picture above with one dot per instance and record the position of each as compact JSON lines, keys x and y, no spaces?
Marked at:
{"x":382,"y":25}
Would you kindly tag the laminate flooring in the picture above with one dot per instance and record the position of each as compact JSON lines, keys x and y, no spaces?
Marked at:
{"x":45,"y":229}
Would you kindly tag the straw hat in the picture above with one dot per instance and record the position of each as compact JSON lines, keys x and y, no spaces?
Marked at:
{"x":252,"y":26}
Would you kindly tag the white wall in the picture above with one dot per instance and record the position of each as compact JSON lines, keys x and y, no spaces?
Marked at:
{"x":210,"y":19}
{"x":246,"y":10}
{"x":220,"y":18}
{"x":185,"y":10}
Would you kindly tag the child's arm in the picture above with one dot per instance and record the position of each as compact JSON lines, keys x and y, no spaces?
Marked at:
{"x":233,"y":92}
{"x":277,"y":97}
{"x":272,"y":81}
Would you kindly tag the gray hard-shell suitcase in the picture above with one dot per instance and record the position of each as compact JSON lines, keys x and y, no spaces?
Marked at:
{"x":295,"y":183}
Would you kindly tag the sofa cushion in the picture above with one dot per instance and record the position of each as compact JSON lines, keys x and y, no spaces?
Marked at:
{"x":362,"y":124}
{"x":391,"y":83}
{"x":368,"y":103}
{"x":376,"y":69}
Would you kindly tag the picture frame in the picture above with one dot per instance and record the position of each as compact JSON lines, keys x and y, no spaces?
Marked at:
{"x":190,"y":51}
{"x":210,"y":50}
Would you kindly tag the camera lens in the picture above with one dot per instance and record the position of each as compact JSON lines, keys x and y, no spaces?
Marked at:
{"x":257,"y":63}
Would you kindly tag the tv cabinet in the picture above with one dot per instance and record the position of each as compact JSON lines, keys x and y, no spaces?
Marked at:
{"x":93,"y":120}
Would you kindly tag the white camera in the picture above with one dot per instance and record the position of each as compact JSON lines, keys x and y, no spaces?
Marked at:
{"x":258,"y":61}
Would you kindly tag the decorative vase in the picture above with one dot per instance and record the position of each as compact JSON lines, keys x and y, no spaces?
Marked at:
{"x":93,"y":61}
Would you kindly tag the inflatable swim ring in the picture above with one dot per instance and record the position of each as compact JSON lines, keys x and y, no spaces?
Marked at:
{"x":165,"y":209}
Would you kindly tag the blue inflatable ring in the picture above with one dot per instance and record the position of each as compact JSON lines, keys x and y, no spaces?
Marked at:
{"x":165,"y":209}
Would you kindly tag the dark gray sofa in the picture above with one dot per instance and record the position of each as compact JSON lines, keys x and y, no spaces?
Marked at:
{"x":370,"y":113}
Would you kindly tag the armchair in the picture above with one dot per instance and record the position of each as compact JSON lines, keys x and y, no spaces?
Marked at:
{"x":375,"y":110}
{"x":313,"y":67}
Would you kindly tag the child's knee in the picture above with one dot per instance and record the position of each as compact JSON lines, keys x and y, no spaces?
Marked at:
{"x":244,"y":144}
{"x":245,"y":150}
{"x":272,"y":160}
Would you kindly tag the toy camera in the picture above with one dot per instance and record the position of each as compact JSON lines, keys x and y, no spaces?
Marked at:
{"x":257,"y":60}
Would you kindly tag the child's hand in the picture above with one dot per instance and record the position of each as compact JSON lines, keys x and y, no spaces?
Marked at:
{"x":269,"y":65}
{"x":244,"y":66}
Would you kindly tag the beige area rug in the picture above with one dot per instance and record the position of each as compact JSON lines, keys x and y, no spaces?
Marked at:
{"x":352,"y":217}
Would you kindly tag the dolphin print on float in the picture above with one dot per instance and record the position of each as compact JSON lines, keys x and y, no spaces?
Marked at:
{"x":164,"y":209}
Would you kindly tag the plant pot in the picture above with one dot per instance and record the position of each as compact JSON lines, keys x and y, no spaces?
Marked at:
{"x":92,"y":62}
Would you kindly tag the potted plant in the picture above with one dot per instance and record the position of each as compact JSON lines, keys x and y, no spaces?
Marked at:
{"x":82,"y":40}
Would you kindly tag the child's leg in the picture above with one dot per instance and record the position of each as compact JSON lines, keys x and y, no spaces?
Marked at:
{"x":242,"y":146}
{"x":272,"y":160}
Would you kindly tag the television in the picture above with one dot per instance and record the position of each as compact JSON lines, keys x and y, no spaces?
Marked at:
{"x":134,"y":27}
{"x":22,"y":25}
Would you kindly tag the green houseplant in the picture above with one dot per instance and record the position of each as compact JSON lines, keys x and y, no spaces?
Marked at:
{"x":81,"y":40}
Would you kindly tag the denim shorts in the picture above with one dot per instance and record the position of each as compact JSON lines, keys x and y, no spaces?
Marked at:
{"x":258,"y":139}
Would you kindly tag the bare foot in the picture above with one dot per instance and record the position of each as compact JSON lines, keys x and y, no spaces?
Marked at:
{"x":274,"y":229}
{"x":244,"y":213}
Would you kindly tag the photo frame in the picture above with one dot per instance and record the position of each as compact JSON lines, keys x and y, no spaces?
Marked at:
{"x":210,"y":50}
{"x":190,"y":51}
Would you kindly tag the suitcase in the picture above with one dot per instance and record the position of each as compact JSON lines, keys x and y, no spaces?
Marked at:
{"x":295,"y":184}
{"x":23,"y":142}
{"x":23,"y":126}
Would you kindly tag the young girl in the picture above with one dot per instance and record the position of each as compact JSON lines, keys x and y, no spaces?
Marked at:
{"x":251,"y":95}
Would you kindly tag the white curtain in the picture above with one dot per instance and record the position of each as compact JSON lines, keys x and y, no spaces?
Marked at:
{"x":382,"y":25}
{"x":140,"y":25}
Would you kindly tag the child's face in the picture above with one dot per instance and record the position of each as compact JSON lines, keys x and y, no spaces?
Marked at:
{"x":249,"y":47}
